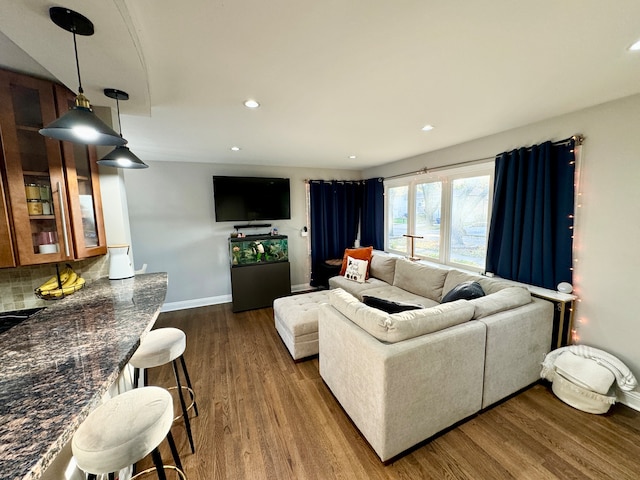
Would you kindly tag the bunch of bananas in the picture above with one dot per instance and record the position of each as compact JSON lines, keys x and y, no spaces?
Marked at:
{"x":70,"y":282}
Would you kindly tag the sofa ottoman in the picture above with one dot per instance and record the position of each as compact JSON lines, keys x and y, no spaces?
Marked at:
{"x":296,"y":320}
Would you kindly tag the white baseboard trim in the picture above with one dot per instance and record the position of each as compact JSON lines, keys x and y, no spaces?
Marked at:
{"x":301,"y":287}
{"x":203,"y":302}
{"x":630,"y":399}
{"x":195,"y":303}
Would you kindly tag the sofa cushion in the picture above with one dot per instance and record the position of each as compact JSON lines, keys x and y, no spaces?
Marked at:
{"x":493,"y":285}
{"x":356,"y":269}
{"x":464,"y":291}
{"x":505,"y":299}
{"x":389,"y":306}
{"x":389,"y":292}
{"x":355,"y":288}
{"x":396,"y":327}
{"x":424,"y":280}
{"x":383,"y":267}
{"x":456,"y":277}
{"x":488,"y":284}
{"x":363,"y":253}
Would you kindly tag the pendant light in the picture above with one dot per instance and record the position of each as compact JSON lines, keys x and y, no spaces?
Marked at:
{"x":121,"y":156}
{"x":80,"y":124}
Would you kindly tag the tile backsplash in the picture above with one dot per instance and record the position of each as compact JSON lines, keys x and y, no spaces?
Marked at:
{"x":17,"y":285}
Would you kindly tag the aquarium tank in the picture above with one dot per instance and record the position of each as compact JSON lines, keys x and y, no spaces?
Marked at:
{"x":258,"y":249}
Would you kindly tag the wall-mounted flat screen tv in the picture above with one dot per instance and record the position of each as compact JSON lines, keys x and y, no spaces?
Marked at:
{"x":251,"y":198}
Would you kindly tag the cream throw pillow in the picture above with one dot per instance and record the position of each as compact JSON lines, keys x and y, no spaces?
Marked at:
{"x":356,"y":270}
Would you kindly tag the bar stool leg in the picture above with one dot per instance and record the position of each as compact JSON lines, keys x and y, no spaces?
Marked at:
{"x":136,"y":377}
{"x":157,"y":461}
{"x":174,"y":451}
{"x":183,"y":405}
{"x":186,"y":376}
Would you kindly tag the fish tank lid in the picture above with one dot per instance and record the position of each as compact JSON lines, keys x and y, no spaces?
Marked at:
{"x":249,"y":238}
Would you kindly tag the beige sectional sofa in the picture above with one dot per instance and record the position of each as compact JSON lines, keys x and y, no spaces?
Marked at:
{"x":406,"y":376}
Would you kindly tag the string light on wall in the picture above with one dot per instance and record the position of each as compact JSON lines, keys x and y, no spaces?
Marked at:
{"x":577,"y":155}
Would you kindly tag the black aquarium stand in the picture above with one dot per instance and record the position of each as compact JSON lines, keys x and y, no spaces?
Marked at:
{"x":258,"y":285}
{"x":259,"y":277}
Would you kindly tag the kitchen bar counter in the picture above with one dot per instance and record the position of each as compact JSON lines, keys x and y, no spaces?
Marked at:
{"x":56,"y":366}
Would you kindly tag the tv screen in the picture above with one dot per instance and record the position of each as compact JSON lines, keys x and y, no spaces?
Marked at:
{"x":251,"y":198}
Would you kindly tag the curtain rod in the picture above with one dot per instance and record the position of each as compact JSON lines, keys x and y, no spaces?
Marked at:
{"x":579,"y":139}
{"x":443,"y":167}
{"x":309,"y":180}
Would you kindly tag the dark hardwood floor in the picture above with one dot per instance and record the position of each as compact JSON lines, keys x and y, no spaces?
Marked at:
{"x":263,"y":416}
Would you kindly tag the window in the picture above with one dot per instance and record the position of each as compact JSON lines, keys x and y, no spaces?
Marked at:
{"x":447,"y":212}
{"x":427,"y":213}
{"x":397,"y":203}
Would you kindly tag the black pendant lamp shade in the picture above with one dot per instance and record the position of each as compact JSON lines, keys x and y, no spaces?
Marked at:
{"x":121,"y":156}
{"x":80,"y":124}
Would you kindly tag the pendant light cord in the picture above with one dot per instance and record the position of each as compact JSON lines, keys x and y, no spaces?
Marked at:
{"x":118,"y":110}
{"x":75,"y":49}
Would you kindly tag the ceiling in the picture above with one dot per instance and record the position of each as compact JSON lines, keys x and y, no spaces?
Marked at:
{"x":334,"y":78}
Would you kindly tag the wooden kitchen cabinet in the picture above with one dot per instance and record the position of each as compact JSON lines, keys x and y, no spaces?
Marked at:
{"x":52,"y":190}
{"x":7,"y":258}
{"x":83,"y":189}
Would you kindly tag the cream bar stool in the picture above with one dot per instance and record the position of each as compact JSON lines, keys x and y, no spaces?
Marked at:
{"x":160,"y":347}
{"x":124,"y":430}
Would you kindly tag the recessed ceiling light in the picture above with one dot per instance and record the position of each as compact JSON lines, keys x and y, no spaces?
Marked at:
{"x":427,"y":128}
{"x":251,"y":104}
{"x":235,"y":149}
{"x":352,"y":156}
{"x":635,"y":47}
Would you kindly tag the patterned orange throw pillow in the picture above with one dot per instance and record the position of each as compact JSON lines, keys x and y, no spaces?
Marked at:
{"x":363,"y":253}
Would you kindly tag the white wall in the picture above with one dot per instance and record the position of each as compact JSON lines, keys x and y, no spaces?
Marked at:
{"x":113,"y":192}
{"x":114,"y":206}
{"x":607,"y":223}
{"x":173,"y":226}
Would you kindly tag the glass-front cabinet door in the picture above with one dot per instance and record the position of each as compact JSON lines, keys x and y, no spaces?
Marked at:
{"x":85,"y":202}
{"x":7,"y":257}
{"x":34,"y":171}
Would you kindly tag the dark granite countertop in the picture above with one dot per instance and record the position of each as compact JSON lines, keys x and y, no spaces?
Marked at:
{"x":56,"y":366}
